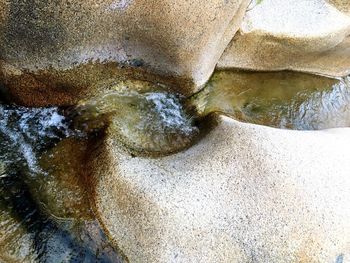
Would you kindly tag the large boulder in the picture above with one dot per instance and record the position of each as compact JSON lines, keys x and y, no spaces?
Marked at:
{"x":244,"y":193}
{"x":53,"y":51}
{"x":302,"y":35}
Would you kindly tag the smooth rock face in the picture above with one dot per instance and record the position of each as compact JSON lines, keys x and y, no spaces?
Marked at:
{"x":181,"y":39}
{"x":244,"y":193}
{"x":302,"y":35}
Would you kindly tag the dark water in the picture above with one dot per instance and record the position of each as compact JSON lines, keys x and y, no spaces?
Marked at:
{"x":45,"y":213}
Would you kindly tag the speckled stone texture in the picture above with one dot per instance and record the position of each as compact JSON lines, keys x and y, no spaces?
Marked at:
{"x":342,"y":5}
{"x":244,"y":193}
{"x":43,"y":43}
{"x":301,"y":35}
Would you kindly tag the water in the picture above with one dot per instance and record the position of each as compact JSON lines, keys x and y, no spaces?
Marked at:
{"x":149,"y":122}
{"x":284,"y":100}
{"x":159,"y":122}
{"x":44,"y":212}
{"x":27,"y":131}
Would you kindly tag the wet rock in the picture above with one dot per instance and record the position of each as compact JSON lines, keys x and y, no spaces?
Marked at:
{"x":46,"y":217}
{"x":48,"y":48}
{"x":244,"y":193}
{"x":16,"y":244}
{"x":310,"y":36}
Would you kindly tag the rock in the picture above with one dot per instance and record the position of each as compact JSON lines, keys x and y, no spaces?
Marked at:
{"x":51,"y":46}
{"x":310,"y":36}
{"x":16,"y":244}
{"x":342,"y":5}
{"x":244,"y":193}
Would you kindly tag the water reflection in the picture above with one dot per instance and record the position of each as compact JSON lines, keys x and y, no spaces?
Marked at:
{"x":44,"y":215}
{"x":278,"y":99}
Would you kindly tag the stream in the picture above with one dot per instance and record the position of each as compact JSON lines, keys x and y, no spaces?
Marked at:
{"x":45,"y":212}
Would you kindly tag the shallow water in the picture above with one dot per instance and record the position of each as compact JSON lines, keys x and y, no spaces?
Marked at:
{"x":148,"y":120}
{"x":45,"y":214}
{"x":285,"y":100}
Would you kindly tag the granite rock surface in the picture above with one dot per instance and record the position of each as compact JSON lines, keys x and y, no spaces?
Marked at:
{"x":244,"y":193}
{"x":300,"y":35}
{"x":53,"y":51}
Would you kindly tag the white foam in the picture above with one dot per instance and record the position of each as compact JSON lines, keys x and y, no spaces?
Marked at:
{"x":170,"y":112}
{"x":26,"y":128}
{"x":119,"y":5}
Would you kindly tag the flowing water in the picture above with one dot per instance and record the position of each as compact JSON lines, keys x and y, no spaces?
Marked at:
{"x":284,"y":100}
{"x":151,"y":122}
{"x":45,"y":213}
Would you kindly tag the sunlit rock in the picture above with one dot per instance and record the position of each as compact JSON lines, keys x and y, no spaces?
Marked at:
{"x":299,"y":35}
{"x":54,"y":51}
{"x":342,"y":5}
{"x":244,"y":193}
